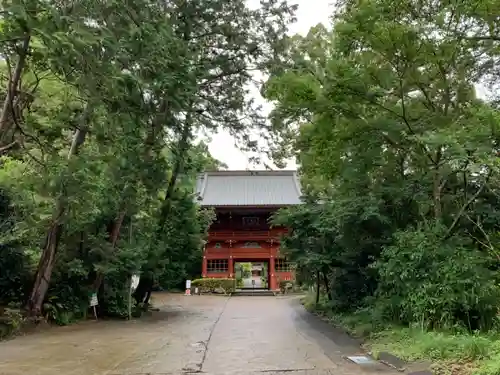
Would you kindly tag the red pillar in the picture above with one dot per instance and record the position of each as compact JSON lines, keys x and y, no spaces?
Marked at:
{"x":231,"y":267}
{"x":204,"y":267}
{"x":272,"y":274}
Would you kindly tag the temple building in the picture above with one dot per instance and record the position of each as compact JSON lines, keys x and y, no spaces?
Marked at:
{"x":240,"y":243}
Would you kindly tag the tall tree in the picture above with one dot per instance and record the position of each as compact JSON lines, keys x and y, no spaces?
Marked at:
{"x":225,"y":42}
{"x":383,"y":116}
{"x":96,"y":55}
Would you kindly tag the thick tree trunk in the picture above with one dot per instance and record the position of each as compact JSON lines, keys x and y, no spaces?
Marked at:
{"x":143,"y":292}
{"x":12,"y":87}
{"x":45,"y":267}
{"x":48,"y":257}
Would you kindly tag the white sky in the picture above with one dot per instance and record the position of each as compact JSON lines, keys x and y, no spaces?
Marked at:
{"x":309,"y":14}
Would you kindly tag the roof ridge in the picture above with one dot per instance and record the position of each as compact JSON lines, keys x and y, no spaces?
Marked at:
{"x":282,"y":172}
{"x":247,"y":188}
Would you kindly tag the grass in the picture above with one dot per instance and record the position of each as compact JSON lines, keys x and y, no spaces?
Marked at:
{"x":450,"y":352}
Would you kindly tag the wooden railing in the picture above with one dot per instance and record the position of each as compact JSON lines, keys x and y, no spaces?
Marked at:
{"x":245,"y":235}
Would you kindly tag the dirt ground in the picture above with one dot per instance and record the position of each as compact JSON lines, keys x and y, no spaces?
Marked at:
{"x":197,"y":334}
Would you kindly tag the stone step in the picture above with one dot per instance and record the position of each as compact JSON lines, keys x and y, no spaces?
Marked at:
{"x":253,"y":293}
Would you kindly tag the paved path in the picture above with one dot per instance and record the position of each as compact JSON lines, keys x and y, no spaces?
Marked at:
{"x":198,"y":334}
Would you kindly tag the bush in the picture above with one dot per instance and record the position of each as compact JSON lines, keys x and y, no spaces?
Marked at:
{"x":436,"y":283}
{"x":287,"y":286}
{"x":240,"y":283}
{"x":11,"y":321}
{"x":15,"y":274}
{"x":225,"y":286}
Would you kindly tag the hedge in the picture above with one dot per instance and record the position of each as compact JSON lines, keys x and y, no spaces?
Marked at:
{"x":208,"y":285}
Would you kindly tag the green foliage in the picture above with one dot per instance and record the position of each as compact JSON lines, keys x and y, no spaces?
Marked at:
{"x":398,"y":156}
{"x":15,"y":265}
{"x":415,"y":344}
{"x":239,"y":282}
{"x":11,"y":321}
{"x":443,"y":347}
{"x":287,"y":286}
{"x":215,"y":285}
{"x":98,"y":157}
{"x":15,"y":275}
{"x":491,"y":365}
{"x":440,"y":284}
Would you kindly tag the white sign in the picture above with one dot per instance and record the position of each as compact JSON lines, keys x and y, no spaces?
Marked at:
{"x":188,"y":284}
{"x":93,"y":300}
{"x":134,"y":282}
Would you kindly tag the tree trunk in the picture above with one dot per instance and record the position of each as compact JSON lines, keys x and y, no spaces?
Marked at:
{"x":45,"y":267}
{"x":113,"y":239}
{"x":179,"y":164}
{"x":148,"y":297}
{"x":143,"y":294}
{"x":437,"y":195}
{"x":318,"y":283}
{"x":12,"y":87}
{"x":47,"y":259}
{"x":464,"y":207}
{"x":327,"y":286}
{"x":437,"y":187}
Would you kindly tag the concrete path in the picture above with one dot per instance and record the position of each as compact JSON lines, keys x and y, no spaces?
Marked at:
{"x":257,"y":282}
{"x":198,"y":334}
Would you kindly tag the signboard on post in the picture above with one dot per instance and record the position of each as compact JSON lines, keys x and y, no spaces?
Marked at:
{"x":93,"y":303}
{"x":188,"y":287}
{"x":93,"y":300}
{"x":134,"y":283}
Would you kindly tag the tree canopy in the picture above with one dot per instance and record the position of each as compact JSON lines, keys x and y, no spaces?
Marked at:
{"x":399,"y":158}
{"x":101,"y":105}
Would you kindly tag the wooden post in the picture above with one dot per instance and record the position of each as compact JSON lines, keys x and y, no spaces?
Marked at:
{"x":130,"y":299}
{"x":204,"y":267}
{"x":231,"y":266}
{"x":272,"y":273}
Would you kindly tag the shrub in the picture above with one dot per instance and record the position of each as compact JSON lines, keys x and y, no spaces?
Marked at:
{"x":240,"y":283}
{"x":215,"y":285}
{"x":436,"y":283}
{"x":15,"y":274}
{"x":286,"y":286}
{"x":414,"y":344}
{"x":11,"y":321}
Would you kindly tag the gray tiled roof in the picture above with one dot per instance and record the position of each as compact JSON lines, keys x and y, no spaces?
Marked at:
{"x":248,"y":188}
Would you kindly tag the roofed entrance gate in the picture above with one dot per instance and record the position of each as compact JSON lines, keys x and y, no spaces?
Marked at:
{"x":243,"y":202}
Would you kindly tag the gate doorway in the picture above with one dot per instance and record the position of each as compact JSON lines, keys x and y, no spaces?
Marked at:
{"x":252,"y":275}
